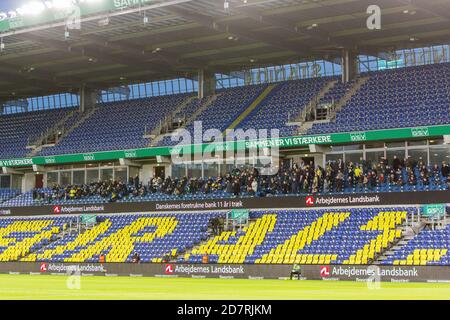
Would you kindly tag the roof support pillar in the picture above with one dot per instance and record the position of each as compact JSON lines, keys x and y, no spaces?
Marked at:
{"x":206,"y":84}
{"x":349,"y":65}
{"x":88,"y":98}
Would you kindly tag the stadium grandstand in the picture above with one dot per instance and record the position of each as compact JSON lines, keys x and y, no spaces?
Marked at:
{"x":151,"y":136}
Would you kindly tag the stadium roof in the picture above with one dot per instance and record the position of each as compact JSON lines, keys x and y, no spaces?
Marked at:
{"x":179,"y":37}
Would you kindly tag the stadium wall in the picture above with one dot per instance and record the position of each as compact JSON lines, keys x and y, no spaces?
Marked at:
{"x":318,"y":201}
{"x":236,"y":271}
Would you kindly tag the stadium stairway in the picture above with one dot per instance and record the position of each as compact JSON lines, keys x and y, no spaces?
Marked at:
{"x":184,"y":257}
{"x":250,"y":240}
{"x":210,"y":100}
{"x":71,"y":123}
{"x":156,"y":135}
{"x":253,"y":106}
{"x":359,"y":83}
{"x":71,"y":230}
{"x":58,"y":237}
{"x":60,"y":126}
{"x":307,"y":125}
{"x":194,"y":109}
{"x":299,"y":119}
{"x":304,"y":127}
{"x":408,"y":234}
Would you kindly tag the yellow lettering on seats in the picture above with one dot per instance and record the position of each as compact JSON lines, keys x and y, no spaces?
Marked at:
{"x":121,"y":243}
{"x":16,"y":249}
{"x":82,"y":240}
{"x":387,"y":222}
{"x":245,"y":245}
{"x":288,"y":251}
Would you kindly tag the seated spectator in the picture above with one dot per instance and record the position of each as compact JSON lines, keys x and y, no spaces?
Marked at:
{"x":424,"y":179}
{"x":136,"y":258}
{"x":445,"y":169}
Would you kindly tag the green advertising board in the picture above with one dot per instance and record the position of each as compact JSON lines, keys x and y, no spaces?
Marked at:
{"x":282,"y":143}
{"x":89,"y":219}
{"x":434,"y":210}
{"x":240,"y":214}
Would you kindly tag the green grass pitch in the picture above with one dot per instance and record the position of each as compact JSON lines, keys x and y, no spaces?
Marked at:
{"x":55,"y":287}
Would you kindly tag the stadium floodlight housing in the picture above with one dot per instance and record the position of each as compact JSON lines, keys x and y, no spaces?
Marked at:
{"x":62,"y":4}
{"x":36,"y":7}
{"x":32,"y":8}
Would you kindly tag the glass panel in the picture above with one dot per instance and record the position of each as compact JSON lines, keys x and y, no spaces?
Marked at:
{"x":336,"y":148}
{"x":225,"y":168}
{"x":417,"y":155}
{"x":374,"y":157}
{"x":439,"y":154}
{"x":353,"y":147}
{"x":52,"y":179}
{"x":65,"y":178}
{"x":106,"y":174}
{"x":395,"y":144}
{"x":374,"y":145}
{"x":195,"y":170}
{"x":211,"y":169}
{"x":5,"y":182}
{"x":120,"y":174}
{"x":16,"y":182}
{"x":106,"y":164}
{"x":179,"y":170}
{"x":417,"y":143}
{"x":333,"y":157}
{"x":391,"y":153}
{"x":354,"y":157}
{"x":92,"y":176}
{"x":434,"y":142}
{"x":78,"y":177}
{"x":134,"y":171}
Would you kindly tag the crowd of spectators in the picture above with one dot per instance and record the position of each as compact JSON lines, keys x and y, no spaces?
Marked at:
{"x":302,"y":178}
{"x":111,"y":190}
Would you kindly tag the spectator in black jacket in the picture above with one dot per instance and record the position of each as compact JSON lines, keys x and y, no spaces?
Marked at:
{"x":236,"y":187}
{"x":136,"y":181}
{"x":445,"y":169}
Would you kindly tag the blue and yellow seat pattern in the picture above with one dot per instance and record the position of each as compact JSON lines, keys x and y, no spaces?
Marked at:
{"x":153,"y":236}
{"x":428,"y":247}
{"x":354,"y":236}
{"x":20,"y":236}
